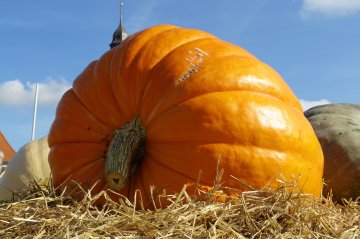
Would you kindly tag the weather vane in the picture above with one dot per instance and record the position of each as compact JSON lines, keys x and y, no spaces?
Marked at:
{"x":120,"y":34}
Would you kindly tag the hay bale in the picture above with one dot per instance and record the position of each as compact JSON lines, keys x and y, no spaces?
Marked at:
{"x":265,"y":213}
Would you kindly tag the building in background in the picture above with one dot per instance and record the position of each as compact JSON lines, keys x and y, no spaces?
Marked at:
{"x":6,"y":148}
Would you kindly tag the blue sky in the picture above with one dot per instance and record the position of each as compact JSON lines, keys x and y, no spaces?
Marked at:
{"x":313,"y":44}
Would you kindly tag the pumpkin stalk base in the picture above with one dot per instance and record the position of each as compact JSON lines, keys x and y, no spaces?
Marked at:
{"x":124,"y":154}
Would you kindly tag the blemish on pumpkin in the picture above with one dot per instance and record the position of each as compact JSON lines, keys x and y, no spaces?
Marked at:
{"x":351,"y":123}
{"x":196,"y":59}
{"x":356,"y":130}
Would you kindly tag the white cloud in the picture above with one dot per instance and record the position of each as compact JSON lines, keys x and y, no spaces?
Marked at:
{"x":17,"y":93}
{"x":306,"y":104}
{"x":329,"y":7}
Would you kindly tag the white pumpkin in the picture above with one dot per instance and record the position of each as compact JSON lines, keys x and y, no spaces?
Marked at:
{"x":28,"y":164}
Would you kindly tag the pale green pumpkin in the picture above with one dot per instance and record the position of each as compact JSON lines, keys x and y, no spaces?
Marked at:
{"x":337,"y":127}
{"x":29,"y":164}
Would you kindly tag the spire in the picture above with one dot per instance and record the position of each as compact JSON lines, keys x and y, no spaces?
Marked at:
{"x":120,"y":34}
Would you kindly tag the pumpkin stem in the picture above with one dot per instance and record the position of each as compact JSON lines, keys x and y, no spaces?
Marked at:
{"x":124,"y":154}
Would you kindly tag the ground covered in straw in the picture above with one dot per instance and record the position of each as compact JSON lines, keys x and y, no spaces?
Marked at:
{"x":254,"y":214}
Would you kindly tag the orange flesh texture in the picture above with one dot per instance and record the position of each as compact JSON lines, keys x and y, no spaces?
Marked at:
{"x":254,"y":158}
{"x":199,"y":98}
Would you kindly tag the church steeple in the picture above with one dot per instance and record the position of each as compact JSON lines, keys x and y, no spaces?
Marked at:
{"x":120,"y":34}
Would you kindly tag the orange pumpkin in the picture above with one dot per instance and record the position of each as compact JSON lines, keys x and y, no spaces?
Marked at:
{"x":166,"y":104}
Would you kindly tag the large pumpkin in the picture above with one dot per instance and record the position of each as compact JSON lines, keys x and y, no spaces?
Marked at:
{"x":167,"y":103}
{"x":337,"y":126}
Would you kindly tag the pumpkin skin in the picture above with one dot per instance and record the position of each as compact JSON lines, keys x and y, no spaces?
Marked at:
{"x":198,"y":98}
{"x":29,"y":164}
{"x":337,"y":127}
